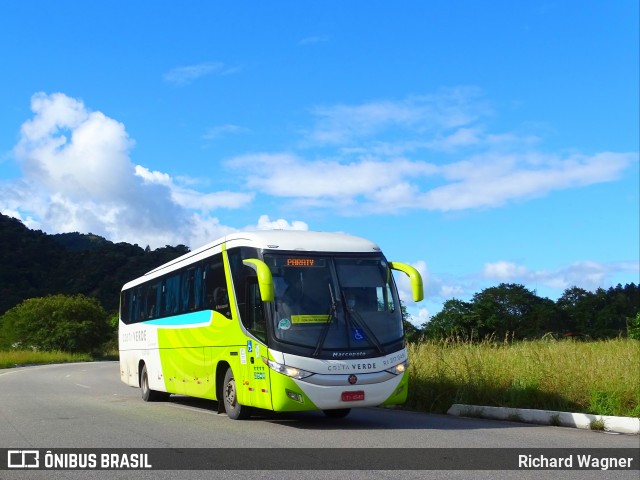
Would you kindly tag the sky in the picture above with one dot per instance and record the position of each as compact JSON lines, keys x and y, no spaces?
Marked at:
{"x":481,"y":142}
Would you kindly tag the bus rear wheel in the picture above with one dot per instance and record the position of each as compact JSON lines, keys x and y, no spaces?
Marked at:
{"x":149,"y":395}
{"x":234,"y":410}
{"x":337,"y":413}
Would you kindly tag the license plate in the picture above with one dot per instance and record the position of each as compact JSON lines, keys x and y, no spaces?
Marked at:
{"x":352,"y":396}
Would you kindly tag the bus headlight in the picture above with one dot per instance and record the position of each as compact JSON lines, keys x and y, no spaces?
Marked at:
{"x":292,"y":372}
{"x":398,"y":369}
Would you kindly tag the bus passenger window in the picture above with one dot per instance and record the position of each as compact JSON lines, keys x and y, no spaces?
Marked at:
{"x":216,"y":296}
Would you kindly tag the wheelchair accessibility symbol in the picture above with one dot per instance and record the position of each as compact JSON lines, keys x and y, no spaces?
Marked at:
{"x":358,"y":335}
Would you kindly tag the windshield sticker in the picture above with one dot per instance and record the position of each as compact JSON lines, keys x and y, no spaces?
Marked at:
{"x":284,"y":324}
{"x":358,"y":335}
{"x":310,"y":318}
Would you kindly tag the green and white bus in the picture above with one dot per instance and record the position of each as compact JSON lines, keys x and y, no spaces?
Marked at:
{"x":277,"y":320}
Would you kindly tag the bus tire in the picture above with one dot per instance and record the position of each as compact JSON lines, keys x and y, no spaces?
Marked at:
{"x":337,"y":412}
{"x":149,"y":395}
{"x":234,"y":410}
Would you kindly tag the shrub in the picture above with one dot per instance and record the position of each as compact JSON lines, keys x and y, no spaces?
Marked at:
{"x":633,"y":329}
{"x":56,"y":322}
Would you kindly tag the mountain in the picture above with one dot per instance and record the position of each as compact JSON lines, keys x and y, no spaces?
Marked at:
{"x":35,"y":264}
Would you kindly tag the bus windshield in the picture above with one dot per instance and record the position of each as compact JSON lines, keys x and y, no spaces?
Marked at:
{"x":333,"y":305}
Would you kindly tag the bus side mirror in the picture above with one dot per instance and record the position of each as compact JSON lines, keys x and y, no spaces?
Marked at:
{"x":414,"y":276}
{"x":265,"y":280}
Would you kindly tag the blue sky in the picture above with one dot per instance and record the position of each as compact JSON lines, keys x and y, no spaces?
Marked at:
{"x":482,"y":142}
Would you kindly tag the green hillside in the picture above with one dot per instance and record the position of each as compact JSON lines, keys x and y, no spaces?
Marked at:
{"x":35,"y":264}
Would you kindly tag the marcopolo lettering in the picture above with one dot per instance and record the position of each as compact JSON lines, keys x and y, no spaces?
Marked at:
{"x":348,"y":354}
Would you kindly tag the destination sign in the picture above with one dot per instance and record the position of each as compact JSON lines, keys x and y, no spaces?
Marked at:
{"x":304,"y":262}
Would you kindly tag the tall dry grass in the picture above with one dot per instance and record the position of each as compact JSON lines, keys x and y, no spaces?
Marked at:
{"x":13,"y":358}
{"x":586,"y":377}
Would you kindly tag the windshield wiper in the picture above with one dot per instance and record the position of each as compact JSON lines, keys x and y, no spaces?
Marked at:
{"x":360,"y":323}
{"x":325,"y":328}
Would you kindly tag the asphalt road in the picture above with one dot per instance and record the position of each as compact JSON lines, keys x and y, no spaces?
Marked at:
{"x":86,"y":406}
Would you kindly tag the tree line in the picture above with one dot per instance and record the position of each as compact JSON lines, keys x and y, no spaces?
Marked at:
{"x":511,"y":310}
{"x":62,"y":292}
{"x":34,"y":264}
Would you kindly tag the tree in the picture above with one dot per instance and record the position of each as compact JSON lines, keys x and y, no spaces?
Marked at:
{"x":507,"y":309}
{"x":56,"y":322}
{"x":633,"y":329}
{"x":453,"y":320}
{"x":599,"y":314}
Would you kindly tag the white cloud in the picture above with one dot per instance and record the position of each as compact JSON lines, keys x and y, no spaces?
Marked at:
{"x":492,"y":180}
{"x":373,"y":185}
{"x":331,"y":183}
{"x":78,"y":176}
{"x":503,"y":271}
{"x":192,"y":199}
{"x":213,"y":133}
{"x":423,"y":317}
{"x":73,"y":151}
{"x":449,"y":109}
{"x":264,"y":223}
{"x":450,"y":291}
{"x":586,"y":274}
{"x":429,"y":152}
{"x":182,"y":76}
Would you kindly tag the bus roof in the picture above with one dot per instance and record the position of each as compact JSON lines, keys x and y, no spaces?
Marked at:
{"x":302,"y":240}
{"x":285,"y":240}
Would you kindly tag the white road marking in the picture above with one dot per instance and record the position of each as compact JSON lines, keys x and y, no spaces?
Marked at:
{"x":193,"y":409}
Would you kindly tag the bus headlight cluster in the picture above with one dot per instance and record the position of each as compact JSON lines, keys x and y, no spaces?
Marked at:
{"x":292,"y":372}
{"x":400,"y":368}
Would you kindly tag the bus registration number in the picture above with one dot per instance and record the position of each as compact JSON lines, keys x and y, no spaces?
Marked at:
{"x":352,"y":396}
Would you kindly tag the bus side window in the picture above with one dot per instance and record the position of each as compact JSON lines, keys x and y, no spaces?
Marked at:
{"x":124,"y":306}
{"x":152,"y":301}
{"x":138,"y":311}
{"x":221,"y":301}
{"x":254,"y":319}
{"x":172,"y":295}
{"x":187,"y":291}
{"x":216,"y":294}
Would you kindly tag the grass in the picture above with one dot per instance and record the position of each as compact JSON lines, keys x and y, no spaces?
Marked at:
{"x":600,"y":378}
{"x":14,"y":358}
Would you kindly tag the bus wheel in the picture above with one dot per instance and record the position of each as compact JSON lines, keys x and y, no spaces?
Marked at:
{"x":337,"y":413}
{"x":234,"y":410}
{"x":149,"y":395}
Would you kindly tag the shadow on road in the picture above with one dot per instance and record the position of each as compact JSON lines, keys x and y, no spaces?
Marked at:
{"x":359,"y":419}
